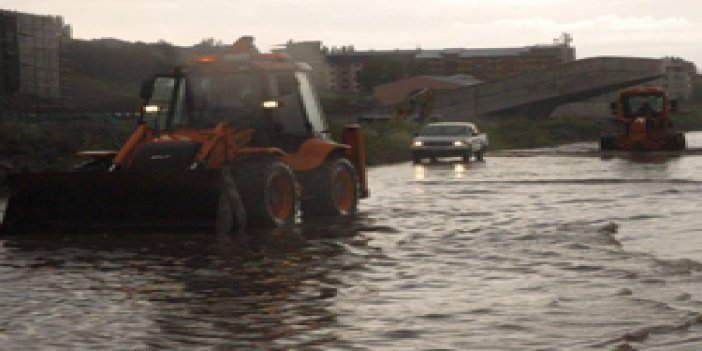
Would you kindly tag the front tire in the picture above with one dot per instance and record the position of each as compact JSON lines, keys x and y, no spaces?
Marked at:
{"x":480,"y":155}
{"x":267,"y":189}
{"x":677,"y":142}
{"x":416,"y":158}
{"x":231,"y":211}
{"x":332,"y":190}
{"x":608,"y":142}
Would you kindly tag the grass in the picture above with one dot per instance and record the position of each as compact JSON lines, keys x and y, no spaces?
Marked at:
{"x":49,"y":142}
{"x":388,"y":142}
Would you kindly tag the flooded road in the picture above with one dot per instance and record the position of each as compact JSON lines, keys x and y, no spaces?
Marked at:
{"x":515,"y":253}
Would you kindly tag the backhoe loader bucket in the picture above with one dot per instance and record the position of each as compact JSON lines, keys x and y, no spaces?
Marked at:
{"x":120,"y":200}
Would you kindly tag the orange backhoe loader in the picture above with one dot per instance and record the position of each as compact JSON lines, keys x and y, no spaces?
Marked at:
{"x":643,"y":122}
{"x":233,"y":139}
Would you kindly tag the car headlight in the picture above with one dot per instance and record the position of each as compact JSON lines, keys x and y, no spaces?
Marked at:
{"x":459,"y":143}
{"x":418,"y":143}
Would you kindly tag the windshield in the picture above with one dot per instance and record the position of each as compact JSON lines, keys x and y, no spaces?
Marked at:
{"x":444,"y":130}
{"x":233,"y":97}
{"x":643,"y":105}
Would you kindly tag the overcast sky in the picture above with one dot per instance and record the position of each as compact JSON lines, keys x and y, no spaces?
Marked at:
{"x":645,"y":28}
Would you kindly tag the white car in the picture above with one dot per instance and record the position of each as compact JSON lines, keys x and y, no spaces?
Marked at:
{"x":449,"y":139}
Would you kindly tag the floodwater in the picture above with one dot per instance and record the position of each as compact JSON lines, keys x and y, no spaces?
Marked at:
{"x":514,"y":253}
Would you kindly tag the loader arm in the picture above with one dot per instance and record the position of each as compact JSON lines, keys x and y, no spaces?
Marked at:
{"x":142,"y":134}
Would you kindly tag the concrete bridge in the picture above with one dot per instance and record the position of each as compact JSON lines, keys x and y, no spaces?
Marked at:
{"x":538,"y":93}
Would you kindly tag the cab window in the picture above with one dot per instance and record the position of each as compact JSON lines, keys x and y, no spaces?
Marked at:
{"x":643,"y":105}
{"x":289,"y":118}
{"x":161,"y":97}
{"x":312,"y":106}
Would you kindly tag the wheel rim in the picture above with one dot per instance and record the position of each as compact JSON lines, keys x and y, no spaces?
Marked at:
{"x":343,"y":189}
{"x":280,"y":201}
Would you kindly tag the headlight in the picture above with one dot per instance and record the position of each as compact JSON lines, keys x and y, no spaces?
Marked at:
{"x":459,"y":143}
{"x":270,"y":104}
{"x":151,"y":108}
{"x":418,"y":143}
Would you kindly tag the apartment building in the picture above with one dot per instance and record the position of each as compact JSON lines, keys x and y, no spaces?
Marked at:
{"x":483,"y":64}
{"x":30,"y":59}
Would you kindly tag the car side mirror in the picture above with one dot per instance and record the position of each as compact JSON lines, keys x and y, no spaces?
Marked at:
{"x":673,"y":105}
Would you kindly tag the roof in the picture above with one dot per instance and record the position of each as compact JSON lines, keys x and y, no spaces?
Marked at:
{"x":458,"y":79}
{"x":451,"y":124}
{"x":395,"y":92}
{"x":438,"y":53}
{"x":464,"y":53}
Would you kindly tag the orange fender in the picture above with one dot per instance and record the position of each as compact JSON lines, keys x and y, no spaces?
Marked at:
{"x":312,"y":154}
{"x":260,"y":150}
{"x":357,"y":154}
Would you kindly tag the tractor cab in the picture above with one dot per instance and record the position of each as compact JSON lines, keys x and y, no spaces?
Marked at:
{"x":644,"y":105}
{"x":266,"y":93}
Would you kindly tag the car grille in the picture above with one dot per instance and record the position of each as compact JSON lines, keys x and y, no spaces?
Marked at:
{"x":438,"y":143}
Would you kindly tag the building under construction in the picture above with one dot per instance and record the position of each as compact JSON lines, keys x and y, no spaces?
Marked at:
{"x":30,"y":61}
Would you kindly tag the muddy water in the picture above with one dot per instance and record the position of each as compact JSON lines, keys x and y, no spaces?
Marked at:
{"x":516,"y":253}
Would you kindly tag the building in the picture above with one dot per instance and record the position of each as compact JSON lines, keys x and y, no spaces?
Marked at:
{"x":30,"y":57}
{"x":343,"y":73}
{"x":346,"y":65}
{"x":312,"y":53}
{"x":678,"y":77}
{"x":677,"y":80}
{"x":491,"y":64}
{"x":697,"y":87}
{"x":483,"y":64}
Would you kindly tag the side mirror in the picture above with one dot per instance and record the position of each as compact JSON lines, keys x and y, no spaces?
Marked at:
{"x":147,"y":89}
{"x":673,"y":105}
{"x":613,"y":108}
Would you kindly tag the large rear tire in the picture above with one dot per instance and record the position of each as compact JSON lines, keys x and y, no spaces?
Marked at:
{"x":267,"y":189}
{"x":331,"y":190}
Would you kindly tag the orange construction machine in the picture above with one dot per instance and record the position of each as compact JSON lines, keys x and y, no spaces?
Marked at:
{"x":233,"y":139}
{"x":643,"y":122}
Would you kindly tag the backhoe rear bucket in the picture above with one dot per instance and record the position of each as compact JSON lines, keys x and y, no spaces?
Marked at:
{"x":120,"y":200}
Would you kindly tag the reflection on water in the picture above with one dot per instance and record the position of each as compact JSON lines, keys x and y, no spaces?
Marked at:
{"x":517,"y":253}
{"x":459,"y":169}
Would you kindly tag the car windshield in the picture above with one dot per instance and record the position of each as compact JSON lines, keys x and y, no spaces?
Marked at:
{"x":444,"y":130}
{"x":644,"y":105}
